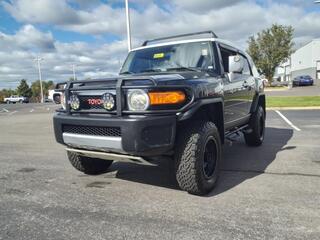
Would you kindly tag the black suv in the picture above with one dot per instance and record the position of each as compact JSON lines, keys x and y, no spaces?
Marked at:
{"x":179,"y":99}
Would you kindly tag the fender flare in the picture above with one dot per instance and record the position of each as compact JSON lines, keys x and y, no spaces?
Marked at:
{"x":259,"y":99}
{"x":197,"y":105}
{"x":219,"y":118}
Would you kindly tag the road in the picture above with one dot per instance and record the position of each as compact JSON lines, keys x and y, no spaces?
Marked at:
{"x":269,"y":192}
{"x":25,"y":108}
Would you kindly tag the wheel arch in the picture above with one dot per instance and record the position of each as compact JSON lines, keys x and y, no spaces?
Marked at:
{"x":259,"y":100}
{"x":211,"y":109}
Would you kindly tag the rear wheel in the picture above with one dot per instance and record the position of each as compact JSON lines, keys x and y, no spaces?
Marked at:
{"x":197,"y":158}
{"x":255,"y":135}
{"x":91,"y":166}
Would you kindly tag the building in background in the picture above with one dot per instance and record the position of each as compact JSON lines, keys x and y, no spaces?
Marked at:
{"x":304,"y":61}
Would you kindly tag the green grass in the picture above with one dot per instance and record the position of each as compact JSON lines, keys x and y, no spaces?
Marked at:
{"x":307,"y":101}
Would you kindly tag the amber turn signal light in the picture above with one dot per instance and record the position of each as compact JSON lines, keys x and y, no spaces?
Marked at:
{"x":171,"y":97}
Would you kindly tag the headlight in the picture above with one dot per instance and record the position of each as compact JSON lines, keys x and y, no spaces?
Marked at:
{"x":74,"y":102}
{"x":138,"y":100}
{"x":63,"y":101}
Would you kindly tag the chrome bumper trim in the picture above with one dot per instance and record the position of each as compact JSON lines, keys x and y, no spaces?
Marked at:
{"x":92,"y":142}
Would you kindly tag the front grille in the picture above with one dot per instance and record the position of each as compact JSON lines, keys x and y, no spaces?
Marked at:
{"x":95,"y":131}
{"x":84,"y":104}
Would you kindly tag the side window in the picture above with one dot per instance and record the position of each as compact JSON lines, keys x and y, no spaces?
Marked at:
{"x":246,"y":66}
{"x":225,"y":53}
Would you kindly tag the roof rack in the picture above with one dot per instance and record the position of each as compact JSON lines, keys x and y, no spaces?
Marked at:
{"x":180,"y":36}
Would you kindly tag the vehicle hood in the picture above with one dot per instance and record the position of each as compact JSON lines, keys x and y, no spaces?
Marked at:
{"x":174,"y":78}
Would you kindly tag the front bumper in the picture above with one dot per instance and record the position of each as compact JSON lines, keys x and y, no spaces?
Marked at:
{"x":140,"y":135}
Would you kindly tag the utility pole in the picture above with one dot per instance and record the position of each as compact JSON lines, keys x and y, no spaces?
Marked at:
{"x":128,"y":25}
{"x":38,"y":59}
{"x":74,"y":72}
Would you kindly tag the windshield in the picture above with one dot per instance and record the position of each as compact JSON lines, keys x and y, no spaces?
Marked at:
{"x":197,"y":56}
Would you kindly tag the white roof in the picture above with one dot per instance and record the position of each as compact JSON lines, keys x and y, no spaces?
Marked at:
{"x":187,"y":41}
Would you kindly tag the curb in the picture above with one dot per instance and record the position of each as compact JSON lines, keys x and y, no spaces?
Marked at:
{"x":294,"y":108}
{"x":276,"y":90}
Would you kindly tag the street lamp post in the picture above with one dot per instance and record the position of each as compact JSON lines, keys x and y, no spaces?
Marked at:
{"x":38,"y":59}
{"x":128,"y":25}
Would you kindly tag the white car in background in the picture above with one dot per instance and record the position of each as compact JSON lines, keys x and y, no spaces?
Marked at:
{"x":16,"y":99}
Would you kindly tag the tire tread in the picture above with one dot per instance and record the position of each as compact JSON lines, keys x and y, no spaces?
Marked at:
{"x":91,"y":166}
{"x":186,"y":158}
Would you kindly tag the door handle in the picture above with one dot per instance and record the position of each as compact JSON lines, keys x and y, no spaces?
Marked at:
{"x":245,"y":84}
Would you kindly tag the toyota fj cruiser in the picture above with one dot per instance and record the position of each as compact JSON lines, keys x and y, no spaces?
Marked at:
{"x":180,"y":99}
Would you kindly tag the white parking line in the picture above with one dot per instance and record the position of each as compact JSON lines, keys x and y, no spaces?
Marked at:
{"x":5,"y":110}
{"x":287,"y":121}
{"x":13,"y":113}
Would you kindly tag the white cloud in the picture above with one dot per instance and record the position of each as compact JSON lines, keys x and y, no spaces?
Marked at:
{"x":100,"y":19}
{"x":28,"y":37}
{"x":44,"y":11}
{"x":17,"y":58}
{"x":201,"y":6}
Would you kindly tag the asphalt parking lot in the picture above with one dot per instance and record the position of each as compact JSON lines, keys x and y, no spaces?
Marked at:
{"x":269,"y":192}
{"x":295,"y":91}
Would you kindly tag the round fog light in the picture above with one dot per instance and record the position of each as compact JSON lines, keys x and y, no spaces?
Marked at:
{"x":108,"y":101}
{"x":74,"y":102}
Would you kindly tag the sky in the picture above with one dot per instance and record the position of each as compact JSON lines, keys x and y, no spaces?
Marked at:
{"x":91,"y":34}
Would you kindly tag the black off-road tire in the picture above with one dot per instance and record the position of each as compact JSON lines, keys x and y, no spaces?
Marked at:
{"x":192,"y":144}
{"x":90,"y":166}
{"x":255,"y":135}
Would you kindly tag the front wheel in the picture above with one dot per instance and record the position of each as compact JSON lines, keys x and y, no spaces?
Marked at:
{"x":198,"y":157}
{"x":8,"y":102}
{"x":90,"y":166}
{"x":255,"y":134}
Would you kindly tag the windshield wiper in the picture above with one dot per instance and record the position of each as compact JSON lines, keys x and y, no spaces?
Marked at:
{"x":151,"y":70}
{"x":127,"y":72}
{"x":184,"y":68}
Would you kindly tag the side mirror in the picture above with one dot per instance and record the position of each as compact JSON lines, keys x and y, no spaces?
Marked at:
{"x":236,"y":64}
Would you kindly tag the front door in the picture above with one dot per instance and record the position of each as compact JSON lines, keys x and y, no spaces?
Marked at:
{"x":237,"y":101}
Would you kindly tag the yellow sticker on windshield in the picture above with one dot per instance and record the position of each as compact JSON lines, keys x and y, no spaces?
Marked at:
{"x":158,"y":55}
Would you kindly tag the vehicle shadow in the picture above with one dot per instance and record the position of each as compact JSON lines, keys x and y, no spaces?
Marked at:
{"x":240,"y":163}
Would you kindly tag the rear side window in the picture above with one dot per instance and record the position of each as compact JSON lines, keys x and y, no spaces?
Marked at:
{"x":225,"y":54}
{"x":246,"y":66}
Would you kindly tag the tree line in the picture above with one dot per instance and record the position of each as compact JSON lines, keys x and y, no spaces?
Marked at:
{"x":33,"y":92}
